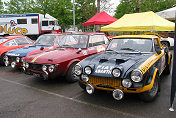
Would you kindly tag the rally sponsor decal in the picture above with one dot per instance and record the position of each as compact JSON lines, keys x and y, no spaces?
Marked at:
{"x":41,"y":55}
{"x":100,"y":49}
{"x":149,"y":62}
{"x":104,"y":69}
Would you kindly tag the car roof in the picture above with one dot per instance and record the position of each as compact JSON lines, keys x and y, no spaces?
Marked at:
{"x":56,"y":33}
{"x":88,"y":33}
{"x":136,"y":36}
{"x":12,"y":37}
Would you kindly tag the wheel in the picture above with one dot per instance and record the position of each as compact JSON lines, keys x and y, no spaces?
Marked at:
{"x":82,"y":85}
{"x":2,"y":59}
{"x":70,"y":76}
{"x":167,"y":69}
{"x":165,"y":44}
{"x":151,"y":94}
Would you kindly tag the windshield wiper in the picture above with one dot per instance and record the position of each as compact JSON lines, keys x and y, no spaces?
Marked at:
{"x":130,"y":49}
{"x":111,"y":50}
{"x":67,"y":46}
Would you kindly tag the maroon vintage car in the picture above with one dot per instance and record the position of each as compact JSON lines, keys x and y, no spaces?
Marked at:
{"x":61,"y":60}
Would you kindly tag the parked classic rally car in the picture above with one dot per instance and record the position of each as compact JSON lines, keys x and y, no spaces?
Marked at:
{"x":165,"y":40}
{"x":15,"y":57}
{"x":130,"y":64}
{"x":61,"y":60}
{"x":12,"y":42}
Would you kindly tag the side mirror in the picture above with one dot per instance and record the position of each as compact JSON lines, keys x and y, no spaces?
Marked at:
{"x":41,"y":48}
{"x":158,"y":50}
{"x":79,"y":50}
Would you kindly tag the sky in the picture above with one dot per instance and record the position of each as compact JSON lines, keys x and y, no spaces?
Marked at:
{"x":114,"y":2}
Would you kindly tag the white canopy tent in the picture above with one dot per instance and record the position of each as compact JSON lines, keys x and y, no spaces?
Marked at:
{"x":168,"y":13}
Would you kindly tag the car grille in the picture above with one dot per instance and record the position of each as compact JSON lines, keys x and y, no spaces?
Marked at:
{"x":11,"y":58}
{"x":37,"y":67}
{"x":105,"y":82}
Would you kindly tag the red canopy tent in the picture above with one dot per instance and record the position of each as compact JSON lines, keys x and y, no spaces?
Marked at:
{"x":101,"y":18}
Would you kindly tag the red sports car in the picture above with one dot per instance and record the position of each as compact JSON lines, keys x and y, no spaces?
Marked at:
{"x":61,"y":60}
{"x":12,"y":42}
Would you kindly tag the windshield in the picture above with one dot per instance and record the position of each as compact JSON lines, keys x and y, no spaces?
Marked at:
{"x":3,"y":40}
{"x":74,"y":41}
{"x":45,"y":40}
{"x":131,"y":44}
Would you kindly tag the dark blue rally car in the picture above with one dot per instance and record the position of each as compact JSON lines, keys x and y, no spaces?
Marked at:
{"x":15,"y":57}
{"x":130,"y":64}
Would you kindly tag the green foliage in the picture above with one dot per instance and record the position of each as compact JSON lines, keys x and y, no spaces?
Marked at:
{"x":84,"y":10}
{"x":1,"y":7}
{"x":130,"y":6}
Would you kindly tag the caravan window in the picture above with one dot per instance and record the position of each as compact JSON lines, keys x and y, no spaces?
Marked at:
{"x":22,"y":21}
{"x":51,"y":22}
{"x":34,"y":20}
{"x":44,"y":23}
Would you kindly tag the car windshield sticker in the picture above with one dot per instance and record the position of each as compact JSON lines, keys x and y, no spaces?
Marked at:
{"x":104,"y":69}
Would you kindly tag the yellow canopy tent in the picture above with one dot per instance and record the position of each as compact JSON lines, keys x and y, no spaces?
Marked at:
{"x":146,"y":21}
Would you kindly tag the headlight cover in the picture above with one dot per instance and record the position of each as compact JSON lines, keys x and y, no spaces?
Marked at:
{"x":6,"y":58}
{"x":136,"y":75}
{"x":51,"y":68}
{"x":27,"y":65}
{"x":44,"y":67}
{"x":78,"y":69}
{"x":17,"y":59}
{"x":116,"y":72}
{"x":88,"y":70}
{"x":84,"y":78}
{"x":22,"y":59}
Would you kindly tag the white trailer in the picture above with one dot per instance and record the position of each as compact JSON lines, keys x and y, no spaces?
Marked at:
{"x":32,"y":24}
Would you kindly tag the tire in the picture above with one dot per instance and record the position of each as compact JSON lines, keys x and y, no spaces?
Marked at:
{"x":151,"y":94}
{"x":167,"y":69}
{"x":70,"y":76}
{"x":82,"y":85}
{"x":2,"y":59}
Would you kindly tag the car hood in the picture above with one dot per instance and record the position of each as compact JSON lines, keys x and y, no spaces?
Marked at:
{"x":24,"y":51}
{"x":52,"y":56}
{"x":103,"y":64}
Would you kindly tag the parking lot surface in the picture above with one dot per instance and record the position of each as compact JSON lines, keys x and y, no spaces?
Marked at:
{"x":25,"y":96}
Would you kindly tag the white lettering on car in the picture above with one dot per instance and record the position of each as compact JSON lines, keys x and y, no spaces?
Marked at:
{"x":104,"y":69}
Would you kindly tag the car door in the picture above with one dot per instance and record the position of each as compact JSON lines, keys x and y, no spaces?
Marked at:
{"x":97,"y":44}
{"x":161,"y":55}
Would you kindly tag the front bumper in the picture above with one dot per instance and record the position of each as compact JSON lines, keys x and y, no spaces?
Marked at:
{"x":111,"y":84}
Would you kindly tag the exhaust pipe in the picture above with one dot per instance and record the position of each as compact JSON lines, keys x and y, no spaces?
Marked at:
{"x":118,"y":94}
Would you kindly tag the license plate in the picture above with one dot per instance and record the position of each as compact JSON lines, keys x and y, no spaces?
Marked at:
{"x":36,"y":75}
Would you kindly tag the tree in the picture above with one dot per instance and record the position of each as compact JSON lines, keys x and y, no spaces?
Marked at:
{"x":1,"y":7}
{"x":133,"y":6}
{"x":85,"y":9}
{"x":18,"y":6}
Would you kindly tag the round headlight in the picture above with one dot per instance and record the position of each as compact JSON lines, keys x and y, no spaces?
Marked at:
{"x":136,"y":75}
{"x":84,"y":78}
{"x":77,"y":69}
{"x":51,"y":68}
{"x":18,"y":59}
{"x":116,"y":72}
{"x":126,"y":83}
{"x":88,"y":70}
{"x":44,"y":68}
{"x":22,"y":59}
{"x":6,"y":58}
{"x":27,"y":65}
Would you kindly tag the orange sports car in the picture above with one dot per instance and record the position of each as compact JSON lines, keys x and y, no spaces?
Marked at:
{"x":12,"y":42}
